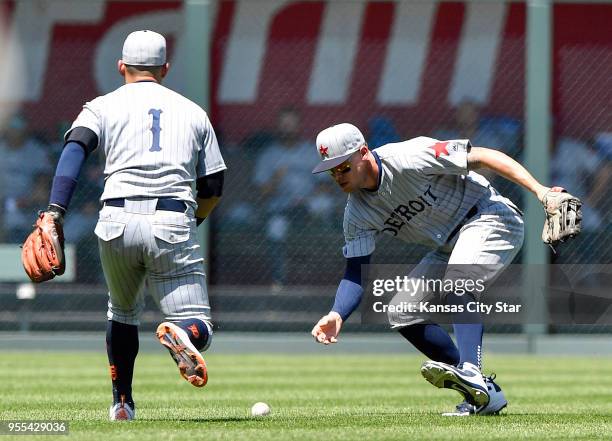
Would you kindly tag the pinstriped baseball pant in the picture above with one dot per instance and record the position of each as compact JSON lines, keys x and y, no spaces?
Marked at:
{"x":141,"y":247}
{"x":482,"y":249}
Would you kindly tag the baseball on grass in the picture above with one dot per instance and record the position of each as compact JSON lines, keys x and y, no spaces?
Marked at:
{"x":260,"y":409}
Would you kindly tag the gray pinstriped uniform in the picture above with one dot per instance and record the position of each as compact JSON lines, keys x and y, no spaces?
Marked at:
{"x":156,"y":144}
{"x":424,"y":197}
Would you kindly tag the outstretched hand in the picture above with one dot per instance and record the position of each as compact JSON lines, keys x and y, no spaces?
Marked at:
{"x":327,"y":329}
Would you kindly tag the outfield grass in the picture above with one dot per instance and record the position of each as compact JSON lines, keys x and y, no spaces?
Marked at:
{"x":320,"y":398}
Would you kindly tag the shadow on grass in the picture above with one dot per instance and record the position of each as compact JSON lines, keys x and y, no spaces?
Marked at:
{"x":206,"y":420}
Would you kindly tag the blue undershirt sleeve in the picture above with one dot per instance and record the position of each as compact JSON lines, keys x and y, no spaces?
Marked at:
{"x":350,"y":289}
{"x":66,"y":174}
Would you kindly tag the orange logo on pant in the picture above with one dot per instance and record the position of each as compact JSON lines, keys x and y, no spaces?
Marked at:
{"x":194,"y":331}
{"x":113,"y":372}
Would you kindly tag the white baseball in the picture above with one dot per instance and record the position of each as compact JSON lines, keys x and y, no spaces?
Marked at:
{"x":260,"y":409}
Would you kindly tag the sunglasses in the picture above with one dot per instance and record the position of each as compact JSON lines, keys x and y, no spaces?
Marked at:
{"x":341,"y":169}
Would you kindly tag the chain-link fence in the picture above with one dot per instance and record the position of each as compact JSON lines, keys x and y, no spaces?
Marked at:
{"x":281,"y":71}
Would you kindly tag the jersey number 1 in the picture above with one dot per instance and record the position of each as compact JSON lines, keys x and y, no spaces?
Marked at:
{"x":155,"y":129}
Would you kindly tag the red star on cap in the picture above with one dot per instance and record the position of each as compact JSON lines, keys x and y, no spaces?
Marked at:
{"x":440,"y":148}
{"x":323,"y":151}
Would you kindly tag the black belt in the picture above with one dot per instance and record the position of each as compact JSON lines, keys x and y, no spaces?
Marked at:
{"x":470,"y":214}
{"x":165,"y":204}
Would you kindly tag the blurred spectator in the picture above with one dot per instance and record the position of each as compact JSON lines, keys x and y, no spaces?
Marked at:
{"x":286,"y":185}
{"x":20,"y":213}
{"x":497,"y":132}
{"x":381,"y":131}
{"x":603,"y":145}
{"x":574,"y":166}
{"x":324,"y":202}
{"x":237,"y":209}
{"x":57,"y":142}
{"x":466,"y":124}
{"x":253,"y":144}
{"x":598,"y":196}
{"x":584,"y":169}
{"x":482,"y":131}
{"x":24,"y":157}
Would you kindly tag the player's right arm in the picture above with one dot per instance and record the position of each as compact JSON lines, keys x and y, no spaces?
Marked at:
{"x":358,"y":248}
{"x":348,"y":297}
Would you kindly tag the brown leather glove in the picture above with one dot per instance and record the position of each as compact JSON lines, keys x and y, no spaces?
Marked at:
{"x":43,"y":251}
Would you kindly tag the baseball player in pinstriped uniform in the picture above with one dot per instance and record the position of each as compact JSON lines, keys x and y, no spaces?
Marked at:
{"x":156,"y":144}
{"x":425,"y":191}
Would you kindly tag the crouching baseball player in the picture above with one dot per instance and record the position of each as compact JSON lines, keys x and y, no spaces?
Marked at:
{"x":425,"y":191}
{"x":156,"y":145}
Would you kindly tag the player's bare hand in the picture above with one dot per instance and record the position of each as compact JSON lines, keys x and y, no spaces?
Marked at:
{"x":542,"y":191}
{"x":327,"y":329}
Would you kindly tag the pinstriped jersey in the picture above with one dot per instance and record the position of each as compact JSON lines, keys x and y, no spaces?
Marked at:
{"x":156,"y":142}
{"x":425,"y":191}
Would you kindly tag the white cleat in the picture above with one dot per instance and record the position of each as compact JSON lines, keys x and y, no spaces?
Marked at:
{"x":467,"y":380}
{"x":188,"y":359}
{"x":121,"y":411}
{"x":497,"y":402}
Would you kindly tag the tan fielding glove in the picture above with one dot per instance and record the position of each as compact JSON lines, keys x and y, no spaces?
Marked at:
{"x":563,"y":216}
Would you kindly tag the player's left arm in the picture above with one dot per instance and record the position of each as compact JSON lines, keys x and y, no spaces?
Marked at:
{"x":210,"y":189}
{"x":504,"y":165}
{"x":80,"y":142}
{"x":210,"y":170}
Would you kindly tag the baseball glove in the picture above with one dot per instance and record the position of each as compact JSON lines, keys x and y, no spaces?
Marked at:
{"x":43,"y":251}
{"x":563,"y":216}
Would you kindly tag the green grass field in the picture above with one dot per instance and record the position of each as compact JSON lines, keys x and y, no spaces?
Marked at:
{"x":345,"y":397}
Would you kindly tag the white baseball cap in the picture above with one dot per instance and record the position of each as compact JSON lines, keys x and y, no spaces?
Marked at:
{"x":336,"y":144}
{"x":144,"y":48}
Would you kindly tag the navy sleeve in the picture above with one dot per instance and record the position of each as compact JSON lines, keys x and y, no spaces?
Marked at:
{"x":350,"y":289}
{"x":353,"y":268}
{"x":66,"y":174}
{"x":210,"y":185}
{"x":84,"y":136}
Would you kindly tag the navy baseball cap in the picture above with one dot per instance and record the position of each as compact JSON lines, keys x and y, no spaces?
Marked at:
{"x":336,"y":144}
{"x":144,"y":48}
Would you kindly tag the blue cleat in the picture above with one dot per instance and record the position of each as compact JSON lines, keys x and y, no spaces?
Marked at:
{"x":497,"y":402}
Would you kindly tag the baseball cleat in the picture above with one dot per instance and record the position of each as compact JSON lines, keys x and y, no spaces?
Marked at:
{"x":122,"y":411}
{"x":192,"y":366}
{"x":468,"y":380}
{"x":497,"y":402}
